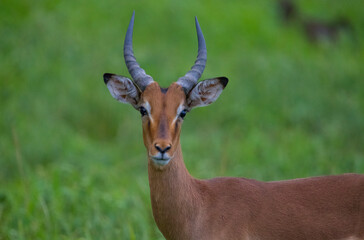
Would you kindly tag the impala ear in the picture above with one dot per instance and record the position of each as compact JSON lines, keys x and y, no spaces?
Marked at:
{"x":206,"y":92}
{"x":122,"y":89}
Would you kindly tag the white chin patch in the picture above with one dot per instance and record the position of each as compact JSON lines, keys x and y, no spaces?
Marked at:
{"x":161,"y":162}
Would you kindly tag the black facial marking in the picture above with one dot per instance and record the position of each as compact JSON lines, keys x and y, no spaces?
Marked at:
{"x":176,"y":127}
{"x":163,"y":128}
{"x":164,"y":90}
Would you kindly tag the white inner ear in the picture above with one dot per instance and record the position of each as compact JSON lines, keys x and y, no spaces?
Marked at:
{"x":205,"y":93}
{"x":123,"y":90}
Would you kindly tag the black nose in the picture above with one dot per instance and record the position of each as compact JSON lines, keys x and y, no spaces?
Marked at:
{"x":162,"y":150}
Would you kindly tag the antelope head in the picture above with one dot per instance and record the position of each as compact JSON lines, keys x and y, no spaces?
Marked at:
{"x":163,"y":109}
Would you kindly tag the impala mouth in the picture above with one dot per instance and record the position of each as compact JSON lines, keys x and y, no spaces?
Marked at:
{"x":161,"y":161}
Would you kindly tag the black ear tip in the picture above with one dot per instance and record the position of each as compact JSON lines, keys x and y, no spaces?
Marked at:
{"x":224,"y":81}
{"x":107,"y":77}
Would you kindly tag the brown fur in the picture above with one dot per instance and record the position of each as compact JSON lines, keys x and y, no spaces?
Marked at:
{"x":330,"y":207}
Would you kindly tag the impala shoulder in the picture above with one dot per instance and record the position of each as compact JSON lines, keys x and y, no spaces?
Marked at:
{"x":238,"y":189}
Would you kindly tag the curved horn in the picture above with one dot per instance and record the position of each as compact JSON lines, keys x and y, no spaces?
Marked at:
{"x":137,"y":73}
{"x":189,"y":80}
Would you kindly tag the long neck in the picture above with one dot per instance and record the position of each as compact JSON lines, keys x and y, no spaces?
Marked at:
{"x":174,"y":196}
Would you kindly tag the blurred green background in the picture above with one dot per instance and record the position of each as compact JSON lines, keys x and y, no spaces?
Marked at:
{"x":72,"y":161}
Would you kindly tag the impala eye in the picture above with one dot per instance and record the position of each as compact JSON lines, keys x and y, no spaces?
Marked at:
{"x":143,"y":111}
{"x":183,"y":113}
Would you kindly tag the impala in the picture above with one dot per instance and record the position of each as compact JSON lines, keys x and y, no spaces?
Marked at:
{"x":328,"y":207}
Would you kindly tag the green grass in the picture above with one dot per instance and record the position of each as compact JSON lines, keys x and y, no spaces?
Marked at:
{"x":73,"y":165}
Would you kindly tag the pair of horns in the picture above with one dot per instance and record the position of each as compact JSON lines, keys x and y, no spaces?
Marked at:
{"x":187,"y":82}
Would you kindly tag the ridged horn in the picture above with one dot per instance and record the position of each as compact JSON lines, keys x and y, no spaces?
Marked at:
{"x":189,"y":80}
{"x":137,"y":73}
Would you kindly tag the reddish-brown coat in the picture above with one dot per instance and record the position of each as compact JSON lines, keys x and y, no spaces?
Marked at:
{"x":330,"y":207}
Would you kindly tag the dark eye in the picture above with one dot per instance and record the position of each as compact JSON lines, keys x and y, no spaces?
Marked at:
{"x":183,"y":113}
{"x":143,"y":111}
